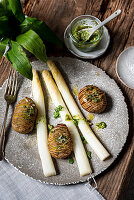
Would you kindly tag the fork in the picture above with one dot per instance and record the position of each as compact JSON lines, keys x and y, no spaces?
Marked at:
{"x":10,"y":97}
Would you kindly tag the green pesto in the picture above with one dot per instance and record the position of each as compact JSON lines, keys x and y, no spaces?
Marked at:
{"x":67,"y":117}
{"x":83,"y":139}
{"x":41,"y":119}
{"x":76,"y":119}
{"x":89,"y":155}
{"x":82,"y":35}
{"x":101,"y":125}
{"x":75,"y":122}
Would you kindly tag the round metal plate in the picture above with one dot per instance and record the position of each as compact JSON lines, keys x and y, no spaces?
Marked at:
{"x":21,"y":150}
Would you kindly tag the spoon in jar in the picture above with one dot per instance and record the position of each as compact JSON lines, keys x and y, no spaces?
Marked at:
{"x":92,"y":30}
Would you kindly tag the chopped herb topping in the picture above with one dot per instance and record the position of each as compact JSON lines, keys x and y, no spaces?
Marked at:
{"x":101,"y":125}
{"x":67,"y":117}
{"x":59,"y":147}
{"x":88,"y":121}
{"x":24,"y":106}
{"x":71,"y":160}
{"x":83,"y":139}
{"x":28,"y":112}
{"x":57,"y":111}
{"x":90,"y":88}
{"x":41,"y":119}
{"x":62,"y":139}
{"x":50,"y":127}
{"x":94,"y":96}
{"x":76,"y":119}
{"x":89,"y":154}
{"x":75,"y":122}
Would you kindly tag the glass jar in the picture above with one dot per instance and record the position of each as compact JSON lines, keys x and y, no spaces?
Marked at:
{"x":77,"y":31}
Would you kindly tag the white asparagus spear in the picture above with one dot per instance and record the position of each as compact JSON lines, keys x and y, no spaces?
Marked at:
{"x":42,"y":134}
{"x":92,"y":140}
{"x":78,"y":148}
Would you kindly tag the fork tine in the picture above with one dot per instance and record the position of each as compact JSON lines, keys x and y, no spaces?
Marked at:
{"x":13,"y":82}
{"x":15,"y":88}
{"x":10,"y":82}
{"x":6,"y":88}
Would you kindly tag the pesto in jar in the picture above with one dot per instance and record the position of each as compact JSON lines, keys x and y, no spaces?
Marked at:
{"x":80,"y":34}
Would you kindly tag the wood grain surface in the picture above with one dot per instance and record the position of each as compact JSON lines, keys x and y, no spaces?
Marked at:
{"x":57,"y":14}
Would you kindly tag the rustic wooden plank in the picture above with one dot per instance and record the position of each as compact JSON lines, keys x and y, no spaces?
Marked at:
{"x":58,"y":14}
{"x":4,"y":70}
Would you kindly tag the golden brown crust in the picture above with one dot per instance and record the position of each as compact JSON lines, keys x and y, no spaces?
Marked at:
{"x":60,"y":143}
{"x":24,"y":116}
{"x":92,"y":99}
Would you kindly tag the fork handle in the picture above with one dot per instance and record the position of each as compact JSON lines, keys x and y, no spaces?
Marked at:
{"x":2,"y":134}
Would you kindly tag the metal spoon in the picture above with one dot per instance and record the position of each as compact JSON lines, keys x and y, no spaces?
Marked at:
{"x":92,"y":30}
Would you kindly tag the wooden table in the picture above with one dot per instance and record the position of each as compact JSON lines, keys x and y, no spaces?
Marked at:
{"x":57,"y":14}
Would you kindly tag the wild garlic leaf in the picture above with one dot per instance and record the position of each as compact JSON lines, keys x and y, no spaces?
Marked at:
{"x":19,"y":60}
{"x":3,"y":45}
{"x":16,"y":8}
{"x":4,"y":28}
{"x":41,"y":29}
{"x":33,"y":43}
{"x":5,"y":8}
{"x":2,"y":10}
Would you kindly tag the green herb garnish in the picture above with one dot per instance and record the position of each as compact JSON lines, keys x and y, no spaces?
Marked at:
{"x":76,"y":119}
{"x":28,"y":112}
{"x":89,"y":154}
{"x":50,"y":127}
{"x":83,"y":139}
{"x":41,"y":119}
{"x":94,"y":96}
{"x":71,"y":160}
{"x":75,"y":122}
{"x":90,"y":88}
{"x":18,"y":33}
{"x":101,"y":125}
{"x":57,"y":111}
{"x":67,"y":117}
{"x":62,"y":139}
{"x":59,"y":147}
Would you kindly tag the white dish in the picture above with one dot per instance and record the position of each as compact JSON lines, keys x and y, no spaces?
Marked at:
{"x":98,"y":50}
{"x":125,"y":67}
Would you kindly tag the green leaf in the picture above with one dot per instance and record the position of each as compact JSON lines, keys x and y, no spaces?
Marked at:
{"x":33,"y":43}
{"x":3,"y":26}
{"x":5,"y":8}
{"x":2,"y":10}
{"x":3,"y":45}
{"x":19,"y":61}
{"x":41,"y":29}
{"x":8,"y":27}
{"x":16,"y":8}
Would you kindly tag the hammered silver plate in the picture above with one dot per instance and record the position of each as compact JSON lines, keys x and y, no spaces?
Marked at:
{"x":21,"y":150}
